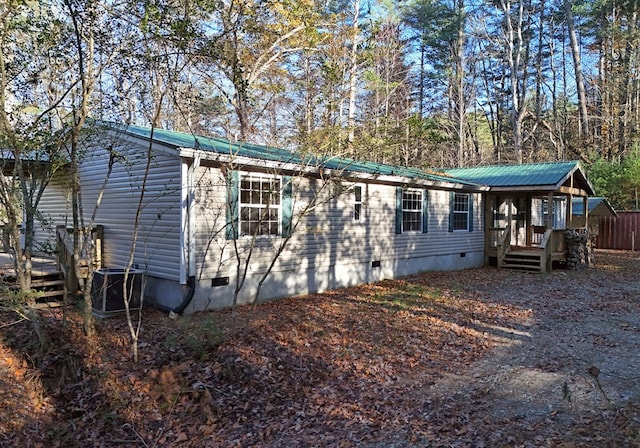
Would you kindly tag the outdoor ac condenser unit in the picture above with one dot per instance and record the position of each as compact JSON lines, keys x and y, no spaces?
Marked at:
{"x":107,"y":294}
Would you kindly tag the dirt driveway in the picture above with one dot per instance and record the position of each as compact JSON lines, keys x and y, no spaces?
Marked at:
{"x":573,"y":368}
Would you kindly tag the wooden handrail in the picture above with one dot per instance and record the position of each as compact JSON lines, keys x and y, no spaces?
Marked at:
{"x":66,"y":243}
{"x":545,"y":257}
{"x":66,"y":262}
{"x":546,"y":238}
{"x":504,"y":244}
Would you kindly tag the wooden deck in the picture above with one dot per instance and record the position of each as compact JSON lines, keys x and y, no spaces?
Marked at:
{"x":46,"y":279}
{"x":40,"y":265}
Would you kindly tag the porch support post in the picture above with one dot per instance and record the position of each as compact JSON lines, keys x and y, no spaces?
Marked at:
{"x":569,"y":221}
{"x":528,"y":220}
{"x":510,"y":217}
{"x":585,"y":207}
{"x":569,"y":224}
{"x":488,"y":224}
{"x":549,"y":221}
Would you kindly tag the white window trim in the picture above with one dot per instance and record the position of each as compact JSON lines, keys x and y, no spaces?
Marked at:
{"x":357,"y":202}
{"x":421,"y":201}
{"x":467,"y":212}
{"x":243,"y":175}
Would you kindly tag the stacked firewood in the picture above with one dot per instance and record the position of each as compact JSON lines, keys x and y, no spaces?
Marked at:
{"x":579,"y":253}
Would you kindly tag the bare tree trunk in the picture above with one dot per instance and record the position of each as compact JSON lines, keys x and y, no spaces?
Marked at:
{"x":309,"y":88}
{"x":353,"y":73}
{"x":423,"y":57}
{"x":539,"y":98}
{"x":82,"y":243}
{"x":459,"y":80}
{"x":517,"y":60}
{"x":577,"y":65}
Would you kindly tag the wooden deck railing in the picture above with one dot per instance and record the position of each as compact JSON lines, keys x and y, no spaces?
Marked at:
{"x":545,"y":256}
{"x":494,"y":234}
{"x":64,"y":240}
{"x":537,"y":235}
{"x":503,"y":244}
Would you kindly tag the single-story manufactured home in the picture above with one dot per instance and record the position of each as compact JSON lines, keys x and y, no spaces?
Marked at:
{"x":223,"y":222}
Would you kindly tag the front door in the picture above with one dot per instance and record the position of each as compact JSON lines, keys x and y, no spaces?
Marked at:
{"x":512,"y":210}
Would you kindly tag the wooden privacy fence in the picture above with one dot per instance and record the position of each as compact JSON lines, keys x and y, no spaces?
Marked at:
{"x":620,"y":232}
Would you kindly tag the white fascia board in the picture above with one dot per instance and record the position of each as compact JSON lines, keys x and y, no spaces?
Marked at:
{"x":313,"y":169}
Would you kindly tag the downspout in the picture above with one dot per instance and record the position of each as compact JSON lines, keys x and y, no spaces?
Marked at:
{"x":187,"y":239}
{"x":191,"y":283}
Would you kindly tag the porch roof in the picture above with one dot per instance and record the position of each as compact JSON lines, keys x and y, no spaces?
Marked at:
{"x":543,"y":177}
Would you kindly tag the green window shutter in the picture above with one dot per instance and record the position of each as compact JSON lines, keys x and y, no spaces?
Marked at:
{"x":452,"y":198}
{"x":287,"y":205}
{"x":470,"y":212}
{"x":398,"y":209}
{"x":425,"y":211}
{"x":233,"y":187}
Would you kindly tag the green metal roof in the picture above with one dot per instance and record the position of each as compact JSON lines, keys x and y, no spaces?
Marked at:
{"x":223,"y":146}
{"x":532,"y":174}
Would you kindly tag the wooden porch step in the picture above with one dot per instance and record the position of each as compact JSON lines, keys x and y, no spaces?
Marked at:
{"x":48,"y":304}
{"x":528,"y":261}
{"x":521,"y":267}
{"x":50,"y":287}
{"x":48,"y":294}
{"x":46,"y":283}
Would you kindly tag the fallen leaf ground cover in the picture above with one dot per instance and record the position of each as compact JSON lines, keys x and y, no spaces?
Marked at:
{"x":481,"y":357}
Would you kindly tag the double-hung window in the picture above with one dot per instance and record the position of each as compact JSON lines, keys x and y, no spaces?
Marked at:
{"x":357,"y":203}
{"x":411,"y":210}
{"x":461,"y":212}
{"x":259,"y":204}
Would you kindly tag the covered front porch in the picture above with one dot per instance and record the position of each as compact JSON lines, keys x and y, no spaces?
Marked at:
{"x":529,"y":211}
{"x":522,"y":234}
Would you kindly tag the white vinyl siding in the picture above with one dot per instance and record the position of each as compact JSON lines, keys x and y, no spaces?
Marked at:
{"x":158,"y":241}
{"x":540,"y":212}
{"x":342,"y":235}
{"x":327,"y":235}
{"x":54,"y":209}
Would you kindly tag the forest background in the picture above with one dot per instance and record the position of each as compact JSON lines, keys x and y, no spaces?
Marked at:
{"x":425,"y":83}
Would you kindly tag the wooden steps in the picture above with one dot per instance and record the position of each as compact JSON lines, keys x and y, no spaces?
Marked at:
{"x":50,"y":287}
{"x":526,"y":260}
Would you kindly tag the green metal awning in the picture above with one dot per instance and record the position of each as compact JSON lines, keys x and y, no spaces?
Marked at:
{"x":532,"y":176}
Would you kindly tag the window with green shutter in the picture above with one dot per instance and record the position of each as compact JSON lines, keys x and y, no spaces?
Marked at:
{"x":411,"y":210}
{"x":258,"y":204}
{"x":460,"y":212}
